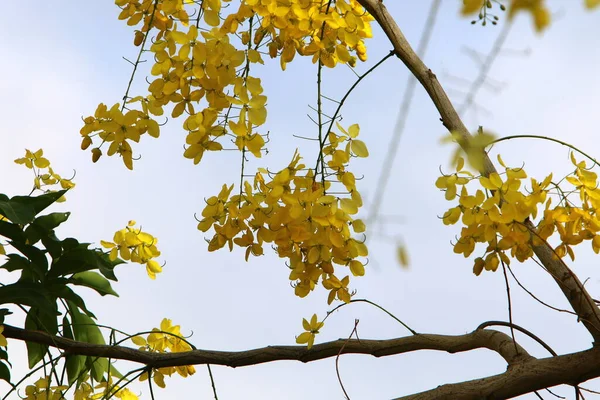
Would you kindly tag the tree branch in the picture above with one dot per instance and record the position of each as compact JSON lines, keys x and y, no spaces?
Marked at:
{"x":582,"y":303}
{"x":521,"y":378}
{"x":480,"y":338}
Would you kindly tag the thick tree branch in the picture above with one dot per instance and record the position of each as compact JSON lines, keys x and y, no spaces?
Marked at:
{"x":480,"y":338}
{"x":582,"y":303}
{"x":521,"y":378}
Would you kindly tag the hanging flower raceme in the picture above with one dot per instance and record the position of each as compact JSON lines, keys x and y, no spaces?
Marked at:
{"x":165,"y":339}
{"x":496,"y":214}
{"x":132,"y":244}
{"x":292,"y":210}
{"x":45,"y":178}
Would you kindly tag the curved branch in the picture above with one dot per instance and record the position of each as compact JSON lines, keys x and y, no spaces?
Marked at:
{"x":526,"y":377}
{"x":582,"y":303}
{"x":489,"y":339}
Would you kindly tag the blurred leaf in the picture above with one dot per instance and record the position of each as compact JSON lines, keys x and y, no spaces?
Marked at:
{"x":3,"y":355}
{"x":4,"y":372}
{"x":402,"y":255}
{"x":94,"y":281}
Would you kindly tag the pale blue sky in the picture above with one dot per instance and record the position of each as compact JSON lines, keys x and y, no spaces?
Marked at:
{"x":63,"y":58}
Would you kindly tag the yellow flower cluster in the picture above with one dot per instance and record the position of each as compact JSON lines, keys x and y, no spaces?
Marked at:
{"x":192,"y":65}
{"x":497,"y":217}
{"x":292,"y":210}
{"x":42,"y":390}
{"x":43,"y":179}
{"x":328,"y":32}
{"x":575,"y":223}
{"x":116,"y":128}
{"x":166,"y":338}
{"x":132,"y":244}
{"x":160,"y":17}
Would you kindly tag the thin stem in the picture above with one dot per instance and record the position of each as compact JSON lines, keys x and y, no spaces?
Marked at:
{"x":520,"y":329}
{"x":502,"y":139}
{"x":375,"y":305}
{"x":139,"y":56}
{"x":320,"y":124}
{"x":212,"y":381}
{"x":508,"y":298}
{"x":341,"y":103}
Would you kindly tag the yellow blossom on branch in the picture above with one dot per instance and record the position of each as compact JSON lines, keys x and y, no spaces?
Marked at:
{"x":45,"y":177}
{"x":292,"y":210}
{"x":166,"y":338}
{"x":498,"y":216}
{"x":312,"y":329}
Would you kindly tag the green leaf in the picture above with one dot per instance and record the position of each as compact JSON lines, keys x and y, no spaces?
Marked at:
{"x":79,"y":259}
{"x":78,"y":323}
{"x":4,"y":312}
{"x":85,"y":330}
{"x":12,"y":231}
{"x":15,"y":262}
{"x":17,"y":211}
{"x":4,"y":372}
{"x":44,"y":225}
{"x":75,"y":367}
{"x":70,"y":243}
{"x":39,"y":261}
{"x":59,"y":288}
{"x":94,"y":335}
{"x":52,"y":245}
{"x":28,"y":294}
{"x":39,"y":321}
{"x":23,"y":209}
{"x":38,"y":203}
{"x":94,"y":281}
{"x":99,"y":367}
{"x":75,"y":363}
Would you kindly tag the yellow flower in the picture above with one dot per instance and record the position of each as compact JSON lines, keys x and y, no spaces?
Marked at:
{"x":471,"y":6}
{"x":537,"y":8}
{"x":3,"y":341}
{"x":135,"y":245}
{"x":311,"y":328}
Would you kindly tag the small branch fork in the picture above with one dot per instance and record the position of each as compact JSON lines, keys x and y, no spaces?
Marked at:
{"x":581,"y":302}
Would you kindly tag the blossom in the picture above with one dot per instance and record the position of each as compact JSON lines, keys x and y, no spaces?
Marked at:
{"x":312,"y":329}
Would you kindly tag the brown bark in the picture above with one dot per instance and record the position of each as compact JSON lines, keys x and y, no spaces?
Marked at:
{"x":480,"y":338}
{"x":526,"y":377}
